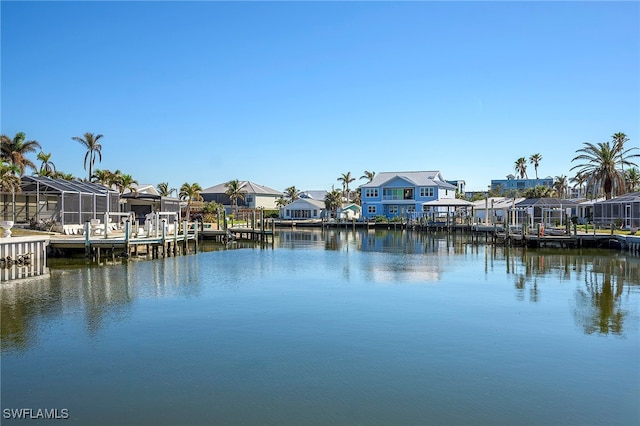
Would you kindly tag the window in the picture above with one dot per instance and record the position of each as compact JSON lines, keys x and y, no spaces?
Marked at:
{"x":411,"y":209}
{"x":370,"y":192}
{"x":393,"y":209}
{"x":371,"y":209}
{"x":248,"y":198}
{"x":315,"y":213}
{"x":426,"y":192}
{"x":287,"y":213}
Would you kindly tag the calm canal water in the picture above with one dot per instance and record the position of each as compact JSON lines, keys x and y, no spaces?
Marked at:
{"x":340,"y":327}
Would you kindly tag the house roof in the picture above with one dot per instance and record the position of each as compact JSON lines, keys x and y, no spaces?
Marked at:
{"x":48,"y":184}
{"x":246,"y":186}
{"x":306,"y":201}
{"x":498,"y":203}
{"x":351,"y":206}
{"x":449,"y":202}
{"x":424,"y":178}
{"x":631,"y":197}
{"x":546,"y":202}
{"x":319,"y":195}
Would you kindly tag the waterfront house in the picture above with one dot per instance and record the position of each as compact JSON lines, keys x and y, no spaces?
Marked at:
{"x":404,"y":194}
{"x":145,"y":199}
{"x":58,"y":201}
{"x":349,"y":211}
{"x":255,"y":196}
{"x":622,"y":211}
{"x":547,"y":211}
{"x":303,"y":208}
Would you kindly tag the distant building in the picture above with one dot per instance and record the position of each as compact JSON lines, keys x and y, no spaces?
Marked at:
{"x":511,"y":183}
{"x":460,"y":184}
{"x":255,"y":196}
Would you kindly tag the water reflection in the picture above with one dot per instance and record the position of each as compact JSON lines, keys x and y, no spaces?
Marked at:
{"x":603,"y":276}
{"x":106,"y":293}
{"x":102,"y":294}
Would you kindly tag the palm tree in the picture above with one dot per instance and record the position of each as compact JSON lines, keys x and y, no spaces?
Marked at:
{"x":234,"y":191}
{"x":190,"y":192}
{"x":94,"y":148}
{"x":333,"y":201}
{"x":633,"y":179}
{"x":65,"y":176}
{"x":535,"y":160}
{"x":357,"y":197}
{"x":619,"y":139}
{"x":521,"y":167}
{"x":539,"y":191}
{"x":578,"y":182}
{"x":346,"y":179}
{"x":14,"y":151}
{"x":163,"y":189}
{"x":599,"y":164}
{"x":125,"y":182}
{"x":47,"y":168}
{"x":281,"y":202}
{"x":291,"y":193}
{"x":9,"y":177}
{"x":368,"y":175}
{"x":102,"y":177}
{"x":561,"y":186}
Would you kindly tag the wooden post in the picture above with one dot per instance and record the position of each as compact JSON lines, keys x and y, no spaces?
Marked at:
{"x":127,"y":231}
{"x":195,"y":240}
{"x":176,"y":226}
{"x":87,"y":244}
{"x":164,"y":238}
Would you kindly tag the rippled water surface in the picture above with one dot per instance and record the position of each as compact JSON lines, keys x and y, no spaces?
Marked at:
{"x":334,"y":327}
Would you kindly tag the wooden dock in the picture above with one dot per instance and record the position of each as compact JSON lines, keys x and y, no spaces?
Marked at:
{"x":155,"y":243}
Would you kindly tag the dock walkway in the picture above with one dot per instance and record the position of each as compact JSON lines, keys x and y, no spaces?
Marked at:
{"x":126,"y":243}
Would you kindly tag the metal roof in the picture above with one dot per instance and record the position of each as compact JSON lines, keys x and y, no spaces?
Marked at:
{"x":424,"y":178}
{"x":546,"y":202}
{"x":631,"y":197}
{"x":47,"y":184}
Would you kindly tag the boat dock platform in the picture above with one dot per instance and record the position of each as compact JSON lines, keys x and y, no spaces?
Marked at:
{"x":156,"y":243}
{"x":237,"y":233}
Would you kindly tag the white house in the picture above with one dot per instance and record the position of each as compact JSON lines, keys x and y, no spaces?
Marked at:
{"x":303,"y":208}
{"x":349,"y":212}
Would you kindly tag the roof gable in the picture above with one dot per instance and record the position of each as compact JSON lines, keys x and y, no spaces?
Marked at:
{"x":306,"y":202}
{"x":423,"y":178}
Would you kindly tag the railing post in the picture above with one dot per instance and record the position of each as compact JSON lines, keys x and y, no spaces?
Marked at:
{"x":87,"y":244}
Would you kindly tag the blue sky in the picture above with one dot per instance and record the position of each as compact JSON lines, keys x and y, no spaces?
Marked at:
{"x":297,"y":93}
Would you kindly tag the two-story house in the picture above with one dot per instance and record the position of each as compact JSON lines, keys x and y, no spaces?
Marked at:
{"x":403,"y":194}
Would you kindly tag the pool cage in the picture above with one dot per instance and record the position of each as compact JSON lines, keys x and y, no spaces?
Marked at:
{"x":57,"y":201}
{"x":622,"y":211}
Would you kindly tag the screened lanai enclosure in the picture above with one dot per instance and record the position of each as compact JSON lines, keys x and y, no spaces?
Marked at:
{"x":622,"y":211}
{"x":59,"y":201}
